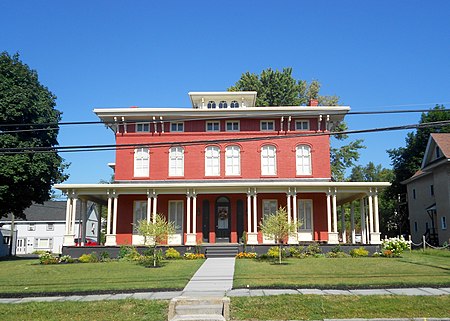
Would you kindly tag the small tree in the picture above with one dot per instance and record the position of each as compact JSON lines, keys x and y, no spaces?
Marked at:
{"x":276,"y":226}
{"x":155,"y":232}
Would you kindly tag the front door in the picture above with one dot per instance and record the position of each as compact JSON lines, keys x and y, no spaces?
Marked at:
{"x":223,"y":219}
{"x":21,"y":246}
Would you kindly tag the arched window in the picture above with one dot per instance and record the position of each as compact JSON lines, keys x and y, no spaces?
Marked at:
{"x":212,"y":161}
{"x":303,"y":160}
{"x":211,"y":104}
{"x":176,"y":161}
{"x":268,"y":160}
{"x":232,"y":160}
{"x":234,"y":104}
{"x":141,"y":162}
{"x":223,"y":104}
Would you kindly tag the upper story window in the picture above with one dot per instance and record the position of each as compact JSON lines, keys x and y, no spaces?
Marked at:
{"x":176,"y":161}
{"x":32,"y":227}
{"x":211,"y":104}
{"x":234,"y":104}
{"x":432,"y":190}
{"x":223,"y":104}
{"x":303,"y":160}
{"x":212,"y":161}
{"x":141,"y":162}
{"x":50,"y":227}
{"x":302,"y":125}
{"x":177,"y":127}
{"x":142,"y":127}
{"x":212,"y":126}
{"x":414,"y":193}
{"x":232,"y":160}
{"x":268,"y":160}
{"x":232,"y":126}
{"x":443,"y":223}
{"x":267,"y":125}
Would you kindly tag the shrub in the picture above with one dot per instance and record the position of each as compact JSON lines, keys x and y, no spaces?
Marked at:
{"x":128,"y":253}
{"x":274,"y":252}
{"x":336,"y":249}
{"x":313,"y":249}
{"x":105,"y":257}
{"x":172,"y":254}
{"x":361,"y":252}
{"x":66,"y":259}
{"x":296,"y":251}
{"x":194,"y":256}
{"x":396,"y":245}
{"x":246,"y":255}
{"x":337,"y":255}
{"x":39,"y":252}
{"x":88,"y":258}
{"x":48,"y":258}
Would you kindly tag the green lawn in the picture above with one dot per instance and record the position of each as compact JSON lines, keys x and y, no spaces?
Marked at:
{"x":413,"y":269}
{"x":316,"y":307}
{"x":27,"y":276}
{"x":99,"y":310}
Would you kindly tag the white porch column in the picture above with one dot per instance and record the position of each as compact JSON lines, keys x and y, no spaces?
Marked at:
{"x":294,"y":206}
{"x":333,"y":237}
{"x":249,"y":212}
{"x":112,"y":219}
{"x":329,"y":211}
{"x":288,"y":202}
{"x":74,"y":214}
{"x":194,"y":214}
{"x":149,"y":206}
{"x":83,"y":217}
{"x":363,"y":221}
{"x":252,"y":237}
{"x":190,"y":237}
{"x":69,"y":238}
{"x":370,"y":212}
{"x":375,"y":237}
{"x":343,"y":226}
{"x":293,"y":238}
{"x":352,"y":222}
{"x":154,"y":207}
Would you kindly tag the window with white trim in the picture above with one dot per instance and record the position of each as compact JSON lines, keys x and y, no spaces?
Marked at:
{"x":141,"y":162}
{"x":443,"y":222}
{"x":269,"y":207}
{"x":302,"y":125}
{"x":303,"y":160}
{"x":43,"y":243}
{"x":232,"y":160}
{"x":32,"y":227}
{"x":177,"y":127}
{"x":212,"y":126}
{"x":232,"y":126}
{"x":139,"y":214}
{"x":267,"y":125}
{"x":176,"y":161}
{"x":176,"y":214}
{"x":268,"y":160}
{"x":211,"y":104}
{"x":212,"y":161}
{"x":223,"y":104}
{"x":304,"y":215}
{"x":50,"y":227}
{"x":142,"y":127}
{"x":234,"y":104}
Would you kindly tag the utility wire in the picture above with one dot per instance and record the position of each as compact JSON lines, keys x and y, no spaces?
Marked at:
{"x":85,"y":148}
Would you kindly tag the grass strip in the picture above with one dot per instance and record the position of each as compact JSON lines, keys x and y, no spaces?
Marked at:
{"x":317,"y":307}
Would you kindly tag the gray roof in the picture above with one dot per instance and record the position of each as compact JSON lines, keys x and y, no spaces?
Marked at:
{"x":49,"y":211}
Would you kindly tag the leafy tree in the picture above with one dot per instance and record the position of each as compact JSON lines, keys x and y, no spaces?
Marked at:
{"x":26,"y":178}
{"x":407,"y":160}
{"x":276,"y":226}
{"x":280,"y":88}
{"x":155,"y":233}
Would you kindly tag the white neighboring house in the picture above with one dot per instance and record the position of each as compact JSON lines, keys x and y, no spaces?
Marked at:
{"x":44,"y":227}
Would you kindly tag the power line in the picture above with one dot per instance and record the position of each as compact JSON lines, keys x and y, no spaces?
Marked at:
{"x":55,"y":126}
{"x":86,"y":148}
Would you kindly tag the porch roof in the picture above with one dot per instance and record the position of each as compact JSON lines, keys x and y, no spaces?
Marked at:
{"x":345,"y":191}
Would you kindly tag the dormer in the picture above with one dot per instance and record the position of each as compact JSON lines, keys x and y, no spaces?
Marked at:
{"x":438,"y":148}
{"x":223,"y":99}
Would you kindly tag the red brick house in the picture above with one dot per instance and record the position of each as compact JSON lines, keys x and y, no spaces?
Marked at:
{"x":217,"y":168}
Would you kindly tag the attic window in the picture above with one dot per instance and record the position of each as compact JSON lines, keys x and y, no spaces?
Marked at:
{"x":211,"y":104}
{"x":234,"y":104}
{"x":223,"y":104}
{"x":438,"y":152}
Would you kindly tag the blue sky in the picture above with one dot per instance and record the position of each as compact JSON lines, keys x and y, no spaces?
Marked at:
{"x":375,"y":55}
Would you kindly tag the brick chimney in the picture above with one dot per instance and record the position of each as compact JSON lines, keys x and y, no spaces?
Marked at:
{"x":313,"y":102}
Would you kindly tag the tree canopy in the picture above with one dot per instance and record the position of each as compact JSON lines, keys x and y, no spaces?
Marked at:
{"x":407,"y":160}
{"x":26,"y":177}
{"x":280,"y":88}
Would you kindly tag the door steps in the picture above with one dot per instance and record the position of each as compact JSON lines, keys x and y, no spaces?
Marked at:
{"x":221,"y":251}
{"x":199,"y":309}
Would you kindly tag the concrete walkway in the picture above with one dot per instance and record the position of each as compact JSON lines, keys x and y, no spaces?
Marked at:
{"x":214,"y":278}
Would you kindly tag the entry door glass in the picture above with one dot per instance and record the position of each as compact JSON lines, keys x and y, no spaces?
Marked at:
{"x":223,"y":217}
